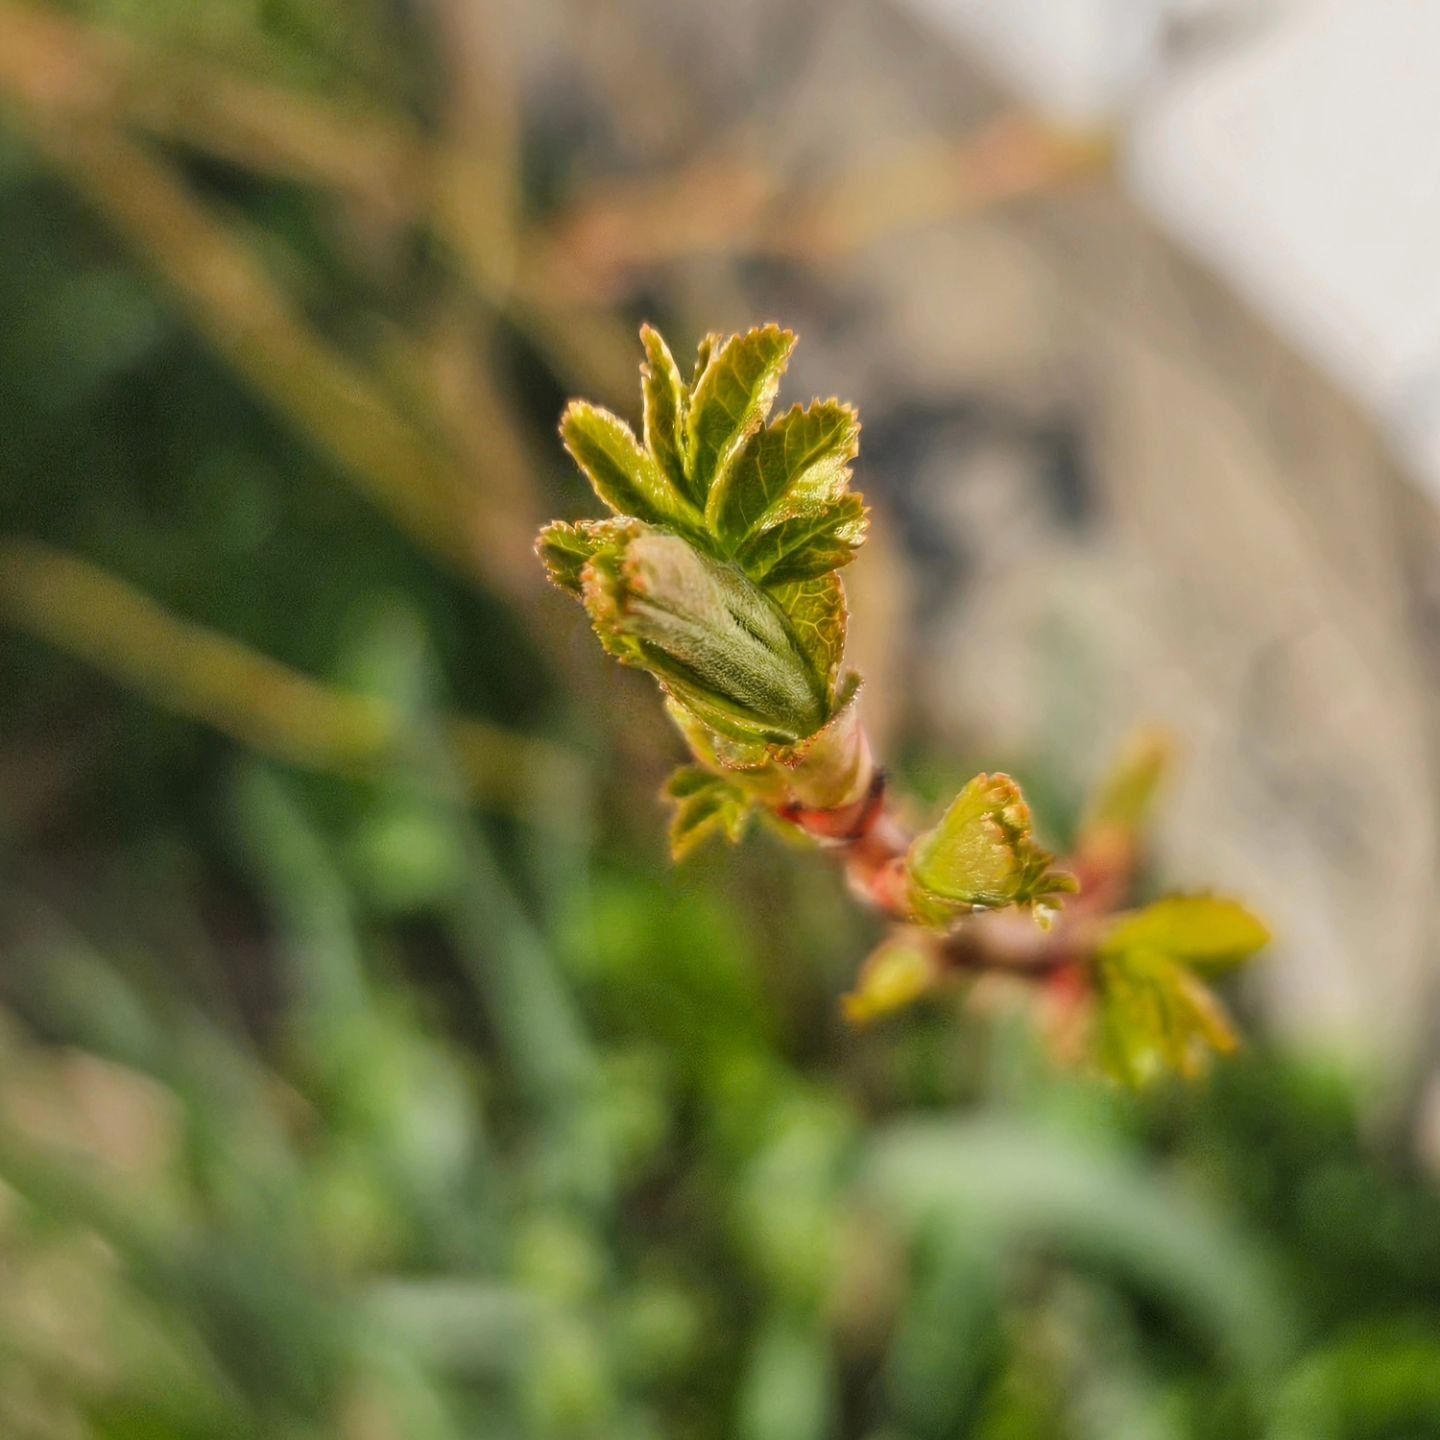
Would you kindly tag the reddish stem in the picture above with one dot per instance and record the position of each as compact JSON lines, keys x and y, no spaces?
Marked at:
{"x":871,"y":842}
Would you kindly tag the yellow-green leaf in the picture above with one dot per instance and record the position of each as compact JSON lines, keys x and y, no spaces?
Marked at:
{"x":709,"y":344}
{"x":816,"y":611}
{"x":718,"y":750}
{"x":625,"y":476}
{"x":806,"y":545}
{"x":665,"y":398}
{"x":565,"y":549}
{"x":729,"y":403}
{"x":705,"y":804}
{"x":903,"y":969}
{"x":1208,"y":932}
{"x":1156,"y":1016}
{"x":797,"y":466}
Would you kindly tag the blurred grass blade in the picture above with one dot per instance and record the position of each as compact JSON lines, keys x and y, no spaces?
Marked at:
{"x":406,"y":1098}
{"x":317,"y":915}
{"x":1023,"y":1184}
{"x":79,"y":69}
{"x":500,"y":946}
{"x":87,"y":612}
{"x":947,"y":1333}
{"x":241,"y":311}
{"x":788,"y":1390}
{"x":78,"y":992}
{"x":467,"y":1326}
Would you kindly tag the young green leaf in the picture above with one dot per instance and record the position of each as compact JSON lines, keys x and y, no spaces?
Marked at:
{"x":1207,"y":932}
{"x":815,"y":609}
{"x":981,"y":856}
{"x":705,"y":804}
{"x":806,"y":546}
{"x":709,"y":344}
{"x":729,"y":403}
{"x":625,"y":476}
{"x":903,"y":969}
{"x":716,"y":749}
{"x":565,"y":549}
{"x":1156,"y":1015}
{"x":800,"y":465}
{"x":665,"y":400}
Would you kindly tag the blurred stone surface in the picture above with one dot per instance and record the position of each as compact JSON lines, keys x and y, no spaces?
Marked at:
{"x":1286,"y":142}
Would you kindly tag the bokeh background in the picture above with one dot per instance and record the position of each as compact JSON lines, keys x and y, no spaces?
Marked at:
{"x":366,"y":1071}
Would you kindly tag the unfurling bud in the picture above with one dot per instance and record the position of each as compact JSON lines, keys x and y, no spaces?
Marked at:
{"x":717,"y":642}
{"x":981,"y":856}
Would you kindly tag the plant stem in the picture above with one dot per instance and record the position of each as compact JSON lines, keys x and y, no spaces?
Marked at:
{"x":871,"y":842}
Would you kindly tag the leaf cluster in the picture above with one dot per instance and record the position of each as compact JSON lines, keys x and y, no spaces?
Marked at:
{"x":1156,"y":1010}
{"x":716,"y":571}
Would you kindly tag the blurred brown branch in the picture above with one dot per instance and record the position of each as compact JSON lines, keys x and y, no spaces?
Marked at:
{"x":239,"y":309}
{"x":553,"y":280}
{"x":81,"y":608}
{"x":71,"y":70}
{"x":64,"y":75}
{"x":427,"y":456}
{"x":726,"y":203}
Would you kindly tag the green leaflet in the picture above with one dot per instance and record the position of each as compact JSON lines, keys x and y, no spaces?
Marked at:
{"x":565,"y":549}
{"x":625,"y":476}
{"x":705,"y":804}
{"x":806,"y":546}
{"x":800,"y":465}
{"x":709,"y":344}
{"x":904,"y":968}
{"x":981,"y":856}
{"x":665,"y":401}
{"x":1156,"y":1015}
{"x":729,"y":723}
{"x":719,"y":750}
{"x":1207,"y":932}
{"x":729,"y":403}
{"x":816,"y":611}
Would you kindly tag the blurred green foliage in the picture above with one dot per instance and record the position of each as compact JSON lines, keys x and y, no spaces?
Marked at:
{"x":330,"y":1108}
